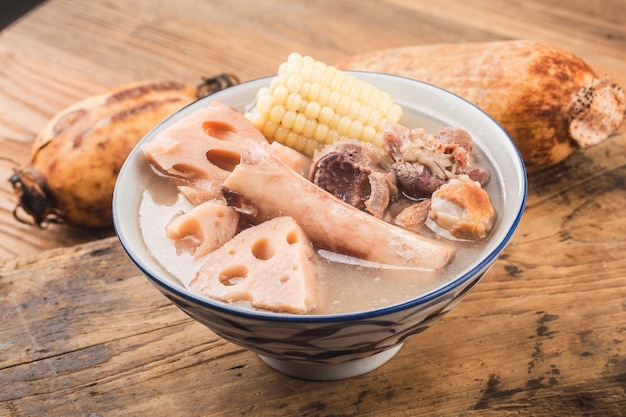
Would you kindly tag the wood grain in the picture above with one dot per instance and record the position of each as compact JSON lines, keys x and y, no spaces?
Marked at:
{"x":65,"y":51}
{"x":83,"y":333}
{"x":532,"y":338}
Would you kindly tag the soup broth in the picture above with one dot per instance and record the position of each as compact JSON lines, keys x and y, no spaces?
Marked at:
{"x":346,"y":285}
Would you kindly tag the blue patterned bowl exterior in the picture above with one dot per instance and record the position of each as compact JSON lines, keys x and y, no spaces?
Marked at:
{"x":331,"y":341}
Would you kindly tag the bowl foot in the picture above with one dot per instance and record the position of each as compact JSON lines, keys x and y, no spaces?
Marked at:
{"x":331,"y":371}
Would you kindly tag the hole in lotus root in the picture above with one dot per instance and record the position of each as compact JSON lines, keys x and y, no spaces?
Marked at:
{"x":262,"y":249}
{"x":233,"y":275}
{"x":219,"y":130}
{"x":223,"y":159}
{"x":292,"y":237}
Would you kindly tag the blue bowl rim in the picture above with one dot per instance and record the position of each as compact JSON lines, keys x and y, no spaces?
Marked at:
{"x":167,"y":287}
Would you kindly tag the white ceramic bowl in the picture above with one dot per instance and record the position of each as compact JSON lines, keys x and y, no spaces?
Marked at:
{"x":328,"y":347}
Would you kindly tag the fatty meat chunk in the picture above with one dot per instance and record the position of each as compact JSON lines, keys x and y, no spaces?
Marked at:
{"x":271,"y":265}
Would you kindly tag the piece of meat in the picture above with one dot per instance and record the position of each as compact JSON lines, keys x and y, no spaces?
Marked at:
{"x":271,"y":265}
{"x":479,"y":174}
{"x":276,"y":190}
{"x":456,"y":137}
{"x":381,"y":191}
{"x":459,"y":138}
{"x":204,"y":228}
{"x":351,"y":170}
{"x":464,"y":209}
{"x":394,"y":137}
{"x":415,"y":179}
{"x":414,"y":216}
{"x":424,"y":162}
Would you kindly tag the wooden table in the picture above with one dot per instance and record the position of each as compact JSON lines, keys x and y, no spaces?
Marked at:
{"x":83,"y":333}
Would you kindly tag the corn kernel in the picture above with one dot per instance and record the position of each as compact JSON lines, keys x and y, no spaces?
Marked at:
{"x":369,"y":134}
{"x":374,"y":118}
{"x":344,"y":105}
{"x":321,"y":132}
{"x":325,"y":115}
{"x":280,"y":94}
{"x":280,"y":80}
{"x":308,"y":65}
{"x":269,"y":129}
{"x":257,"y":119}
{"x":293,"y":102}
{"x":343,"y":127}
{"x":347,"y":85}
{"x":328,"y":76}
{"x":275,"y":82}
{"x":291,"y":139}
{"x":334,"y":121}
{"x":314,"y":92}
{"x":364,"y":115}
{"x":385,"y":104}
{"x":309,"y":128}
{"x":300,"y":144}
{"x":356,"y":128}
{"x":263,"y":91}
{"x":281,"y":134}
{"x":381,"y":125}
{"x":298,"y":124}
{"x":333,"y":137}
{"x":378,"y":140}
{"x":323,"y":96}
{"x":311,"y":147}
{"x":294,"y":57}
{"x":306,"y":88}
{"x":395,"y":113}
{"x":375,"y":99}
{"x":285,"y":67}
{"x":335,"y":85}
{"x":294,"y":83}
{"x":288,"y":119}
{"x":312,"y":110}
{"x":355,"y":92}
{"x":317,"y":75}
{"x":355,"y":108}
{"x":366,"y":94}
{"x":340,"y":76}
{"x":320,"y":65}
{"x":333,"y":100}
{"x":277,"y":114}
{"x":264,"y":104}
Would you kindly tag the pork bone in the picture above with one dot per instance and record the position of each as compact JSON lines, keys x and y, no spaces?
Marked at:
{"x":266,"y":188}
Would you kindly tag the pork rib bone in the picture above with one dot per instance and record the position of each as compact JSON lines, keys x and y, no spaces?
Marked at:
{"x":260,"y":180}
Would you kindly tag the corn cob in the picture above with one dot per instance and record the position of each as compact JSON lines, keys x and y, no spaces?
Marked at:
{"x":310,"y":104}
